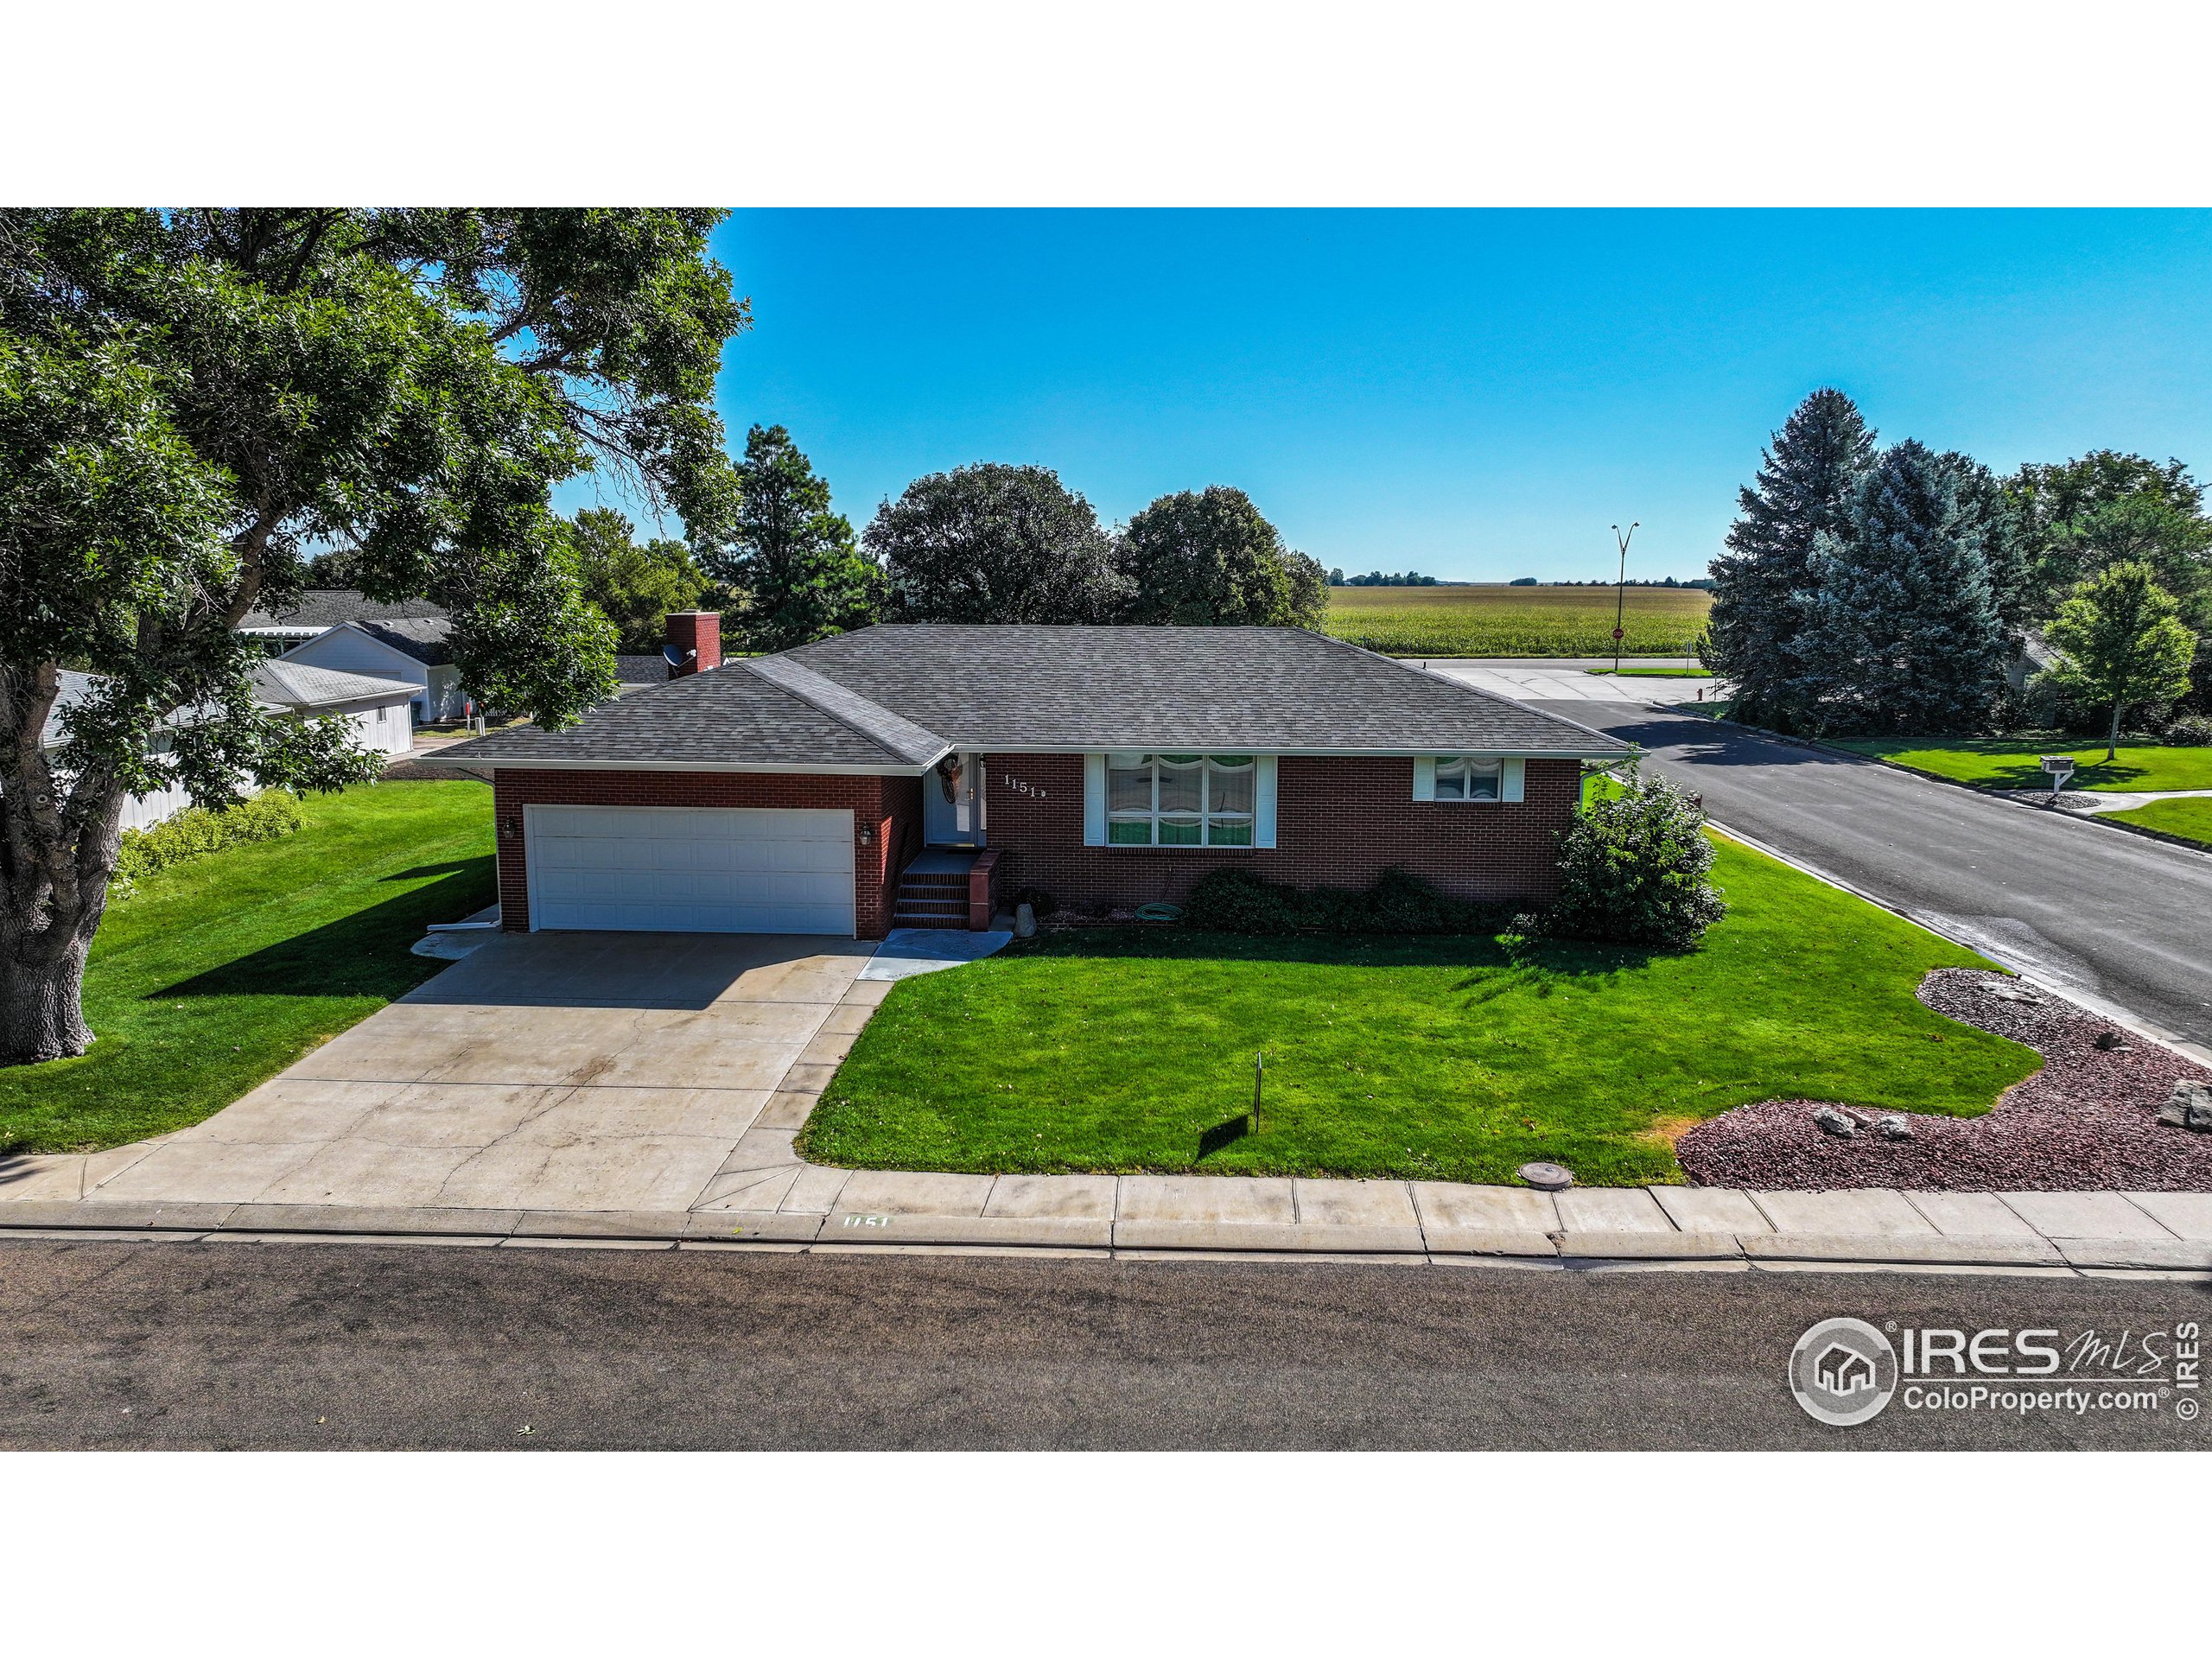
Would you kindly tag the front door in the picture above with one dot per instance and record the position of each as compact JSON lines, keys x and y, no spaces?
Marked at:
{"x":952,"y":802}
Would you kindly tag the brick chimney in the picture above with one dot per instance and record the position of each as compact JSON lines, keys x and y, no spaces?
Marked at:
{"x":697,"y":639}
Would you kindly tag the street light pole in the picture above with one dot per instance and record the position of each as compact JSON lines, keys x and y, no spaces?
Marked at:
{"x":1620,"y":591}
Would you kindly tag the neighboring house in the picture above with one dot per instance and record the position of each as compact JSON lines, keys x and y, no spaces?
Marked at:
{"x":414,"y":649}
{"x":139,"y":811}
{"x":321,"y":609}
{"x":914,"y":774}
{"x":379,"y":711}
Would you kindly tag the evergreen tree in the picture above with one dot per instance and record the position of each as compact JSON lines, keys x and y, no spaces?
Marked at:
{"x":635,"y":587}
{"x":2124,"y":642}
{"x":1803,"y":489}
{"x":795,"y":571}
{"x":1994,"y":513}
{"x":1902,"y":630}
{"x":1209,"y":559}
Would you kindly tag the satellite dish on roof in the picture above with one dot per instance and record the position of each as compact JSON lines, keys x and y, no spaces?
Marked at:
{"x":674,"y":657}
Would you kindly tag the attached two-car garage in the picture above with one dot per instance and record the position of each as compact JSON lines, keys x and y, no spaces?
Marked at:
{"x":683,"y":869}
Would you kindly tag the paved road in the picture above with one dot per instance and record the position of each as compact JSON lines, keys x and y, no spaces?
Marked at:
{"x":2112,"y":915}
{"x":117,"y":1344}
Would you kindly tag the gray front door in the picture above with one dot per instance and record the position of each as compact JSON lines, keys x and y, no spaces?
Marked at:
{"x":952,"y":802}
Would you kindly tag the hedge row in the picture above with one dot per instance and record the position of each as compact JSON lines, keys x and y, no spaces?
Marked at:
{"x":1237,"y":901}
{"x":198,"y":831}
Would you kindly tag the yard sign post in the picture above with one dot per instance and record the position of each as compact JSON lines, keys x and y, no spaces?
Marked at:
{"x":1620,"y":591}
{"x":1259,"y":1069}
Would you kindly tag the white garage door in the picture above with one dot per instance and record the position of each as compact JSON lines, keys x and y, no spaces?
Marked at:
{"x":680,"y":869}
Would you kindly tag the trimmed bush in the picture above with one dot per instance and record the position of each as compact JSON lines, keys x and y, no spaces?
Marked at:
{"x":2191,"y":731}
{"x":1238,"y":901}
{"x":1635,"y":869}
{"x":198,"y":831}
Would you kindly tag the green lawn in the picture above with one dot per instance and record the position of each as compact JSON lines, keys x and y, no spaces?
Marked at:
{"x":2016,"y":763}
{"x":1496,"y":620}
{"x":221,"y":972}
{"x":2189,"y":818}
{"x":1131,"y":1048}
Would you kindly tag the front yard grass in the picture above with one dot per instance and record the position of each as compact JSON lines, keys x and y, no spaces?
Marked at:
{"x":1435,"y":1059}
{"x":2017,"y":763}
{"x":2190,"y":818}
{"x":219,"y":973}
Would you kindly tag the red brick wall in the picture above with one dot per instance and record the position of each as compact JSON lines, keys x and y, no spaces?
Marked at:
{"x":1339,"y":823}
{"x":887,"y":810}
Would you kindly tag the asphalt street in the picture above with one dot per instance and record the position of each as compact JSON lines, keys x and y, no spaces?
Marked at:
{"x":292,"y":1344}
{"x":2094,"y":910}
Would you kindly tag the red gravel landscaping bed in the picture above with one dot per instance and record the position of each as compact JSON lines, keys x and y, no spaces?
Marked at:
{"x":2088,"y":1119}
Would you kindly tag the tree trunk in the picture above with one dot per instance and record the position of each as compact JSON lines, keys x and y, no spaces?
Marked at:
{"x":42,"y":1013}
{"x":2112,"y":737}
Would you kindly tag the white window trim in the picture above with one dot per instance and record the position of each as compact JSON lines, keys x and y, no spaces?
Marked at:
{"x":1512,"y":782}
{"x":1094,"y":806}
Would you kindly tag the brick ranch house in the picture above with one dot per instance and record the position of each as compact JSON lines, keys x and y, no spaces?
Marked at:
{"x":920,"y":774}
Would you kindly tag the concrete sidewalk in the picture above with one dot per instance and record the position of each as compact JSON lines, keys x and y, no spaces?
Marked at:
{"x":790,"y":1204}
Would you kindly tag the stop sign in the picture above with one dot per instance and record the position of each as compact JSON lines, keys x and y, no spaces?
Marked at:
{"x":1619,"y":634}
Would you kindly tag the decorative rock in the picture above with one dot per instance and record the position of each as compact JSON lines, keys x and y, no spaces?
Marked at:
{"x":2109,"y":1042}
{"x":2012,"y":994}
{"x":1024,"y":922}
{"x":1894,"y":1126}
{"x":1545,"y":1177}
{"x":2189,"y":1106}
{"x":1839,"y":1124}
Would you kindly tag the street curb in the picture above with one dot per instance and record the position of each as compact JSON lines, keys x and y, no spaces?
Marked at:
{"x":1060,"y":1236}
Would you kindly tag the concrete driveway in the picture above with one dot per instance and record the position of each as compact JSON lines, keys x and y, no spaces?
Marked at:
{"x":545,"y":1071}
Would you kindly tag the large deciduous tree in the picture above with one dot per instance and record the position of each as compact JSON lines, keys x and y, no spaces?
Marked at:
{"x":633,"y":585}
{"x":190,"y":399}
{"x":791,"y":564}
{"x":2124,"y":642}
{"x":1902,"y":632}
{"x":2107,"y":507}
{"x":1804,"y":489}
{"x":995,"y":544}
{"x":1208,"y":558}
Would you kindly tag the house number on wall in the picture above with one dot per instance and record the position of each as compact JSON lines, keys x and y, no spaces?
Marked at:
{"x":1017,"y":787}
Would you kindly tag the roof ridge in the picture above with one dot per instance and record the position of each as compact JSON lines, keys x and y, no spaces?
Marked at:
{"x":909,"y":741}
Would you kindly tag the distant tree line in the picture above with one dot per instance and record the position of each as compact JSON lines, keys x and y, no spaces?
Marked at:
{"x":1875,"y":589}
{"x":982,"y":543}
{"x":1381,"y":579}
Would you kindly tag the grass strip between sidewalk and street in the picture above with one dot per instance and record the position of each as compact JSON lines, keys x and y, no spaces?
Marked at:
{"x":217,"y":973}
{"x":2017,"y":763}
{"x":2189,"y":817}
{"x":1131,"y":1049}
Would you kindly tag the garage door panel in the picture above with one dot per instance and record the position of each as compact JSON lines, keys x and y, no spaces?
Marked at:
{"x":691,"y":870}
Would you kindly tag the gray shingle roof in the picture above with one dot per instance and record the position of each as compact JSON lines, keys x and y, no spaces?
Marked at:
{"x":422,"y":638}
{"x":326,"y":607}
{"x":894,"y":697}
{"x":297,"y":685}
{"x":1233,"y":688}
{"x":726,"y":718}
{"x":650,"y":669}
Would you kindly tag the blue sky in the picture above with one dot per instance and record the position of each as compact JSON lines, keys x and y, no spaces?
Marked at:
{"x":1475,"y":395}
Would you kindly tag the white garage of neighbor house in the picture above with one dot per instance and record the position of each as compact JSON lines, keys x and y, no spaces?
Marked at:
{"x":411,"y":649}
{"x":691,"y":870}
{"x":379,"y":711}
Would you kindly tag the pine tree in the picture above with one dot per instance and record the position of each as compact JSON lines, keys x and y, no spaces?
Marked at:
{"x":1902,"y":630}
{"x":1804,"y":488}
{"x":797,"y":574}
